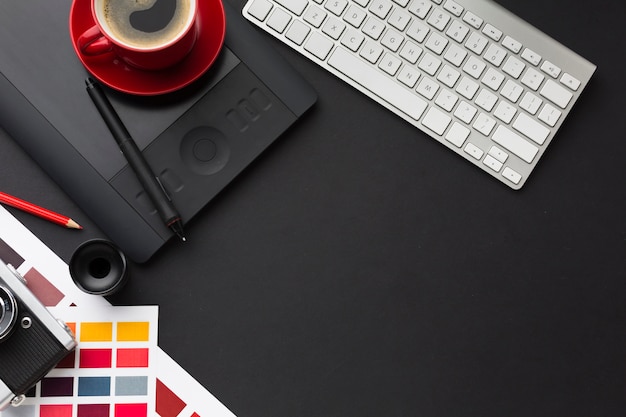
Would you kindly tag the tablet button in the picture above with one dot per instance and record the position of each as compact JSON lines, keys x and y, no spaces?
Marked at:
{"x":205,"y":150}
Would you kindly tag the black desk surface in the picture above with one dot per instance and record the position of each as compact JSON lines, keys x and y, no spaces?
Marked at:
{"x":359,"y":268}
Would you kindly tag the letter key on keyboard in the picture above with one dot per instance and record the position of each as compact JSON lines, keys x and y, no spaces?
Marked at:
{"x":467,"y":73}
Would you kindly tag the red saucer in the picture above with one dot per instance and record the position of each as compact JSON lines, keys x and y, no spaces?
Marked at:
{"x":118,"y":75}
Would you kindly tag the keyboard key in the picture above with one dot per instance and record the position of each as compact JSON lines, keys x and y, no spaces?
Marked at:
{"x":495,"y":55}
{"x":498,"y":153}
{"x":408,"y":76}
{"x":505,"y":111}
{"x":455,"y":55}
{"x":515,"y":143}
{"x":373,"y":28}
{"x":380,"y":8}
{"x":319,"y":46}
{"x":438,"y":19}
{"x":417,"y":31}
{"x":550,"y":69}
{"x":436,"y":120}
{"x":333,"y":28}
{"x":476,"y":43}
{"x":511,"y":175}
{"x":512,"y":91}
{"x":315,"y":16}
{"x":368,"y":77}
{"x":486,"y":100}
{"x":474,"y":67}
{"x":549,"y":115}
{"x":436,"y":43}
{"x":259,"y":9}
{"x":531,"y":56}
{"x":467,"y":88}
{"x":570,"y":82}
{"x":279,"y":20}
{"x":473,"y":20}
{"x":492,"y":163}
{"x":457,"y":134}
{"x":531,"y":128}
{"x":294,"y":6}
{"x":453,"y":7}
{"x":429,"y":64}
{"x":484,"y":124}
{"x":530,"y":103}
{"x":334,"y":6}
{"x":352,"y":39}
{"x":298,"y":32}
{"x":355,"y":16}
{"x":532,"y":79}
{"x":446,"y":100}
{"x":390,"y":64}
{"x":473,"y":151}
{"x":399,"y":19}
{"x":465,"y":112}
{"x":493,"y":79}
{"x":511,"y":44}
{"x":448,"y":76}
{"x":556,"y":94}
{"x":457,"y":31}
{"x":411,"y":52}
{"x":372,"y":51}
{"x":493,"y":32}
{"x":427,"y":88}
{"x":420,"y":8}
{"x":514,"y":67}
{"x":392,"y":40}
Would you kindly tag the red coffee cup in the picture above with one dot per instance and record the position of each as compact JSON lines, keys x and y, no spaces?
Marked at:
{"x":147,"y":34}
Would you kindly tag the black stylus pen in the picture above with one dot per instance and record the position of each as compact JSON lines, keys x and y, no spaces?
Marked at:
{"x":135,"y":159}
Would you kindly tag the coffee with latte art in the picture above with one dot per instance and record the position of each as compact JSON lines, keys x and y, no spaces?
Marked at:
{"x":146,"y":24}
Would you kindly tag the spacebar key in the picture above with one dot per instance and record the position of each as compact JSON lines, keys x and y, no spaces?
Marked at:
{"x":377,"y":83}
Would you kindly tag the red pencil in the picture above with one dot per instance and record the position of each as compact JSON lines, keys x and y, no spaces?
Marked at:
{"x":38,"y":211}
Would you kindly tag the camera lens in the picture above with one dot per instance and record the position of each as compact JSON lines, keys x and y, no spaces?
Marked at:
{"x":98,"y":267}
{"x":8,"y":312}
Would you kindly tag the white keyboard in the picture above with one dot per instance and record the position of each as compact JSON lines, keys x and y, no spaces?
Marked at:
{"x":468,"y":73}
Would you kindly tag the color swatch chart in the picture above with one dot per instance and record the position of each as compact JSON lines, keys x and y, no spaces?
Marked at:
{"x":178,"y":394}
{"x":110,"y":373}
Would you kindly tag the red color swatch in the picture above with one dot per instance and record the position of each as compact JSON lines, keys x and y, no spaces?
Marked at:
{"x":168,"y":404}
{"x":48,"y":294}
{"x":131,"y":410}
{"x":93,"y":410}
{"x":132,"y":358}
{"x":53,"y":410}
{"x":95,"y":358}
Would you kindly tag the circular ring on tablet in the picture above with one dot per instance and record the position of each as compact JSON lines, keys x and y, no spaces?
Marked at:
{"x":98,"y":267}
{"x":205,"y":150}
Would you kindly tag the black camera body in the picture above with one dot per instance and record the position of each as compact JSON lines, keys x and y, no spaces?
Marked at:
{"x":32,"y":341}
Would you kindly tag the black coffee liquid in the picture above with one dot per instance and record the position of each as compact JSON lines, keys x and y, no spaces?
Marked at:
{"x":155,"y":18}
{"x":146,"y":23}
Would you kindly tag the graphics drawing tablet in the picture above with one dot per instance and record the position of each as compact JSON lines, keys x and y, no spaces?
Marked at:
{"x":196,"y":139}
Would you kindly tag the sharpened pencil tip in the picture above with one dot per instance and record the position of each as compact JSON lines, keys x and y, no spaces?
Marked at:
{"x":71,"y":224}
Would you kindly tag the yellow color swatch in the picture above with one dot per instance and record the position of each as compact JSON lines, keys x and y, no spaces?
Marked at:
{"x":133,"y":331}
{"x":96,"y":332}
